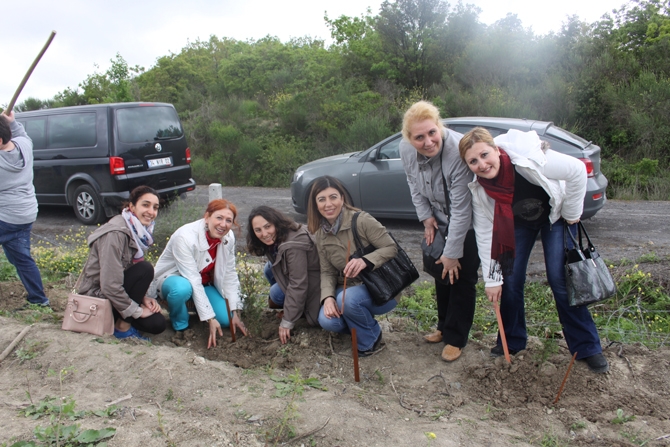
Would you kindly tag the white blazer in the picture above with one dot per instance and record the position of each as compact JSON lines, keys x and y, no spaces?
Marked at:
{"x":563,"y":178}
{"x":186,"y":254}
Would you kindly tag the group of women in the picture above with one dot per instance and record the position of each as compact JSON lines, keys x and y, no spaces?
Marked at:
{"x":521,"y":188}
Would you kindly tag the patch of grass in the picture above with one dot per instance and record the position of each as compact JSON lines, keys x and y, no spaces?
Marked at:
{"x":419,"y":303}
{"x":579,"y":425}
{"x":634,"y":437}
{"x":550,"y":440}
{"x":7,"y":270}
{"x":66,"y":255}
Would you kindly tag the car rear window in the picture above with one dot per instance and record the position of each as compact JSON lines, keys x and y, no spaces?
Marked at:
{"x":566,"y":136}
{"x":141,"y":124}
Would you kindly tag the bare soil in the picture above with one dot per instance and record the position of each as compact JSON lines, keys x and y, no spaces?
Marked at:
{"x":186,"y":395}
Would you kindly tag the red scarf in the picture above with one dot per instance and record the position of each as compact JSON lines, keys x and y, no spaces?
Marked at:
{"x":501,"y":189}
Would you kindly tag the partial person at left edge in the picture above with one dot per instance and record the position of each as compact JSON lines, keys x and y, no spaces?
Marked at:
{"x":18,"y":205}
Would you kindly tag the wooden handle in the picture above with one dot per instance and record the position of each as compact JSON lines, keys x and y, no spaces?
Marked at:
{"x":10,"y":106}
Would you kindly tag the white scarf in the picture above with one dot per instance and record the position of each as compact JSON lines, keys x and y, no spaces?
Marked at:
{"x":143,"y":235}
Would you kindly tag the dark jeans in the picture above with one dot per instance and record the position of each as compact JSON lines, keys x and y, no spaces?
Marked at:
{"x":15,"y":240}
{"x":456,"y":302}
{"x":579,"y":329}
{"x":136,"y":281}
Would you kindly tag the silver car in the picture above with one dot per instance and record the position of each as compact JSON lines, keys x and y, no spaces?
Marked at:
{"x":376,"y":182}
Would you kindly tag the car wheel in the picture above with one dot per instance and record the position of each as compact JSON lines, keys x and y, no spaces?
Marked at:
{"x":87,"y":206}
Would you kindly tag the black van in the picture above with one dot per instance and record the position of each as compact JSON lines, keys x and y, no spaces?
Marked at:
{"x":91,"y":157}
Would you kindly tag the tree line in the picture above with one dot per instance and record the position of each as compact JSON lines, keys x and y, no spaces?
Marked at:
{"x":255,"y":110}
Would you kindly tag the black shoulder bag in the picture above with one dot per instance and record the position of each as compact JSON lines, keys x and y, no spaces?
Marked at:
{"x":433,"y":252}
{"x":586,"y":276}
{"x":389,"y":279}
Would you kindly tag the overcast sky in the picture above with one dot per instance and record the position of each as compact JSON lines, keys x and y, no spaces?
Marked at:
{"x":91,"y":32}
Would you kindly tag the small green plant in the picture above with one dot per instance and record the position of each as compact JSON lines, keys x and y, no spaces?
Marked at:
{"x":550,"y":440}
{"x":254,"y":292}
{"x":30,"y":350}
{"x":169,"y":395}
{"x":380,"y":377}
{"x":549,"y":348}
{"x":579,"y":425}
{"x":621,"y":418}
{"x":635,"y":438}
{"x":419,"y":304}
{"x":58,"y":434}
{"x":293,"y":385}
{"x":7,"y":270}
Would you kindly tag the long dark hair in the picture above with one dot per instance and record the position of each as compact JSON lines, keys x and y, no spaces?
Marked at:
{"x":321,"y":183}
{"x":137,"y":193}
{"x":282,"y":226}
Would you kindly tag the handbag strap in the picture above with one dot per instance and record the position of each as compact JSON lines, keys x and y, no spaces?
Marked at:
{"x":354,"y":230}
{"x":576,"y":245}
{"x":75,"y":288}
{"x":581,"y":229}
{"x":444,"y":186}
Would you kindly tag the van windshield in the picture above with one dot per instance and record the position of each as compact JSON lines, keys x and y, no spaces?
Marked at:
{"x":148,"y":123}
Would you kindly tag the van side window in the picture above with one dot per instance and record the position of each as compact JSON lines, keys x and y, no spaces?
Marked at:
{"x":36,"y":129}
{"x":72,"y":130}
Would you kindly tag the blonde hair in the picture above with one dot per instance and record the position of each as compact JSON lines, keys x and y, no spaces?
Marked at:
{"x":420,"y":111}
{"x":476,"y":135}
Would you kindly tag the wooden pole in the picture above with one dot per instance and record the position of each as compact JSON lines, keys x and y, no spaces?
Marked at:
{"x":10,"y":106}
{"x":565,"y":379}
{"x":13,"y":344}
{"x":230,"y":320}
{"x":501,"y":329}
{"x":354,"y":352}
{"x":344,"y":289}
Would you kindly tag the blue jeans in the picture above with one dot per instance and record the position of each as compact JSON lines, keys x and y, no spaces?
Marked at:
{"x":176,"y":290}
{"x":579,"y":328}
{"x":359,"y":312}
{"x":15,"y":240}
{"x":276,"y":293}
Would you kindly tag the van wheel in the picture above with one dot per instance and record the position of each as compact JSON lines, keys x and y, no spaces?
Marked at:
{"x":87,"y":205}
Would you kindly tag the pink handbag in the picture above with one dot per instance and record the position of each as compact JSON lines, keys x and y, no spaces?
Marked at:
{"x":88,"y":314}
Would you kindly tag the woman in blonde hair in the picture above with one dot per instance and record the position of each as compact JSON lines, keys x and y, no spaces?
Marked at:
{"x":438,"y":181}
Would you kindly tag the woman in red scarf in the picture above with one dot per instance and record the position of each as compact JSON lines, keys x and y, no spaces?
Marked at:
{"x":522,"y":190}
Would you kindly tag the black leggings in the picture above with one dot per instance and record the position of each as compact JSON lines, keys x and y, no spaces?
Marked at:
{"x":456,"y":302}
{"x":136,"y":281}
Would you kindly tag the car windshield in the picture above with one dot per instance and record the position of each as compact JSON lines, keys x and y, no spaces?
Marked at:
{"x":566,"y":136}
{"x":147,"y":123}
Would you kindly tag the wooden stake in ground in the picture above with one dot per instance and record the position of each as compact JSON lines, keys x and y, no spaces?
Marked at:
{"x":565,"y":379}
{"x":501,"y":329}
{"x":344,"y":289}
{"x":354,"y":352}
{"x":10,"y":106}
{"x":13,"y":344}
{"x":230,"y":320}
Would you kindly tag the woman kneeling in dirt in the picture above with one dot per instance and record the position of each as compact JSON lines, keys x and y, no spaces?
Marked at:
{"x":329,"y":217}
{"x":292,"y":269}
{"x":199,"y":263}
{"x":124,"y":279}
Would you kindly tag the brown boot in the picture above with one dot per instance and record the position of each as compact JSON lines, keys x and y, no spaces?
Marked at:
{"x":450,"y":353}
{"x":435,"y":337}
{"x":273,"y":305}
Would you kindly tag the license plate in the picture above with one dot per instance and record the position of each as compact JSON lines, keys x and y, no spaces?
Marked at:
{"x":159,"y":162}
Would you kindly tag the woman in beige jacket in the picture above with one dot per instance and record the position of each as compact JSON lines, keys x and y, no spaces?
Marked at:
{"x":330,"y":217}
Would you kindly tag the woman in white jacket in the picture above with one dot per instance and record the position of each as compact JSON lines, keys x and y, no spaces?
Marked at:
{"x":199,"y":262}
{"x":522,"y":189}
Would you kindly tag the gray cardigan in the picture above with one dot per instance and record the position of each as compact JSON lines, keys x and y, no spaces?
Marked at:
{"x":424,"y":177}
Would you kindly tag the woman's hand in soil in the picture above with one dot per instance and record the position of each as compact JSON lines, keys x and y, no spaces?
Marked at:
{"x":214,"y":327}
{"x":354,"y":267}
{"x":493,"y":293}
{"x":151,"y":304}
{"x":284,"y":335}
{"x":330,"y":309}
{"x":238,"y":324}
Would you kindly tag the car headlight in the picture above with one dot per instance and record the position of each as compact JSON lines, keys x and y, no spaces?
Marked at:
{"x":297,"y":175}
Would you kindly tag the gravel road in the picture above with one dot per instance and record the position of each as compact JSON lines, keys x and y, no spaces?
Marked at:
{"x":622,"y":229}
